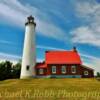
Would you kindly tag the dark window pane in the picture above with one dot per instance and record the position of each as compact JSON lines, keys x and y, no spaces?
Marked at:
{"x":27,"y":67}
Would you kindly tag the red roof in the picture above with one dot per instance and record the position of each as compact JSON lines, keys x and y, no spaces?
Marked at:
{"x":62,"y":57}
{"x":41,"y":65}
{"x":84,"y":66}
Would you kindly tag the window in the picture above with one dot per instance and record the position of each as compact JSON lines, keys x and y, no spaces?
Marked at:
{"x":63,"y":69}
{"x":73,"y":69}
{"x":53,"y":69}
{"x":86,"y":73}
{"x":40,"y":71}
{"x":31,"y":20}
{"x":27,"y":67}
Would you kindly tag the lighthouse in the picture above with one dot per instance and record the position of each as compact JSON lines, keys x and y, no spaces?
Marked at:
{"x":29,"y":52}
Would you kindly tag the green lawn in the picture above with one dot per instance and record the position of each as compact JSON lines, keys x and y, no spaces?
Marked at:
{"x":50,"y":89}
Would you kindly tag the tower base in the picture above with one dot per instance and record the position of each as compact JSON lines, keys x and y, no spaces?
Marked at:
{"x":27,"y":77}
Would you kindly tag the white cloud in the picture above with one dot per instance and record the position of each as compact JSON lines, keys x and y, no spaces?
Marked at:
{"x":10,"y":57}
{"x":90,"y":57}
{"x":10,"y":14}
{"x":14,"y":13}
{"x":86,"y":8}
{"x":89,"y":33}
{"x":39,"y":60}
{"x":6,"y":42}
{"x":94,"y":62}
{"x":48,"y":47}
{"x":15,"y":58}
{"x":85,"y":35}
{"x":50,"y":30}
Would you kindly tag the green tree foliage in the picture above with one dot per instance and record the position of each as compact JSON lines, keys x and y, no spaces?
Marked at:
{"x":9,"y":71}
{"x":16,"y":70}
{"x":98,"y":74}
{"x":5,"y":70}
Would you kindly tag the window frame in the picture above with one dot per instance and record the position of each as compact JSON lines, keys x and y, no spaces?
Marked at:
{"x":86,"y":73}
{"x":41,"y":71}
{"x":73,"y":66}
{"x":63,"y":69}
{"x":52,"y":70}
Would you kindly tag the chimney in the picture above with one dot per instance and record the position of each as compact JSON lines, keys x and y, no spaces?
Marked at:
{"x":74,"y":49}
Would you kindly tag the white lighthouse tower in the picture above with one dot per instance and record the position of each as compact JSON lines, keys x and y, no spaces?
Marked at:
{"x":29,"y":52}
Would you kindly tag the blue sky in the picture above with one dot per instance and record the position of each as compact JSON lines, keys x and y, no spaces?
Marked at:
{"x":61,"y":24}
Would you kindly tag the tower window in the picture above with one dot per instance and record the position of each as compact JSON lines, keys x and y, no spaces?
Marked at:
{"x":27,"y":67}
{"x":31,"y":20}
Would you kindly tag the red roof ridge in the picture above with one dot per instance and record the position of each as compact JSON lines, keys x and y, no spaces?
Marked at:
{"x":60,"y":51}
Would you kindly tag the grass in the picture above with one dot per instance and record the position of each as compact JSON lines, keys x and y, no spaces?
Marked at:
{"x":50,"y":89}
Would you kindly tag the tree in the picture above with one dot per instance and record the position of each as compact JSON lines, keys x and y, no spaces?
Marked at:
{"x":16,"y":70}
{"x":9,"y":71}
{"x":5,"y":70}
{"x":98,"y":74}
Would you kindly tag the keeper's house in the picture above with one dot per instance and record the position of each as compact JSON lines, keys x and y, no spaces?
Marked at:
{"x":63,"y":64}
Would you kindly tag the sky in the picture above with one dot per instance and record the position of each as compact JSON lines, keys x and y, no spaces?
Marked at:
{"x":61,"y":24}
